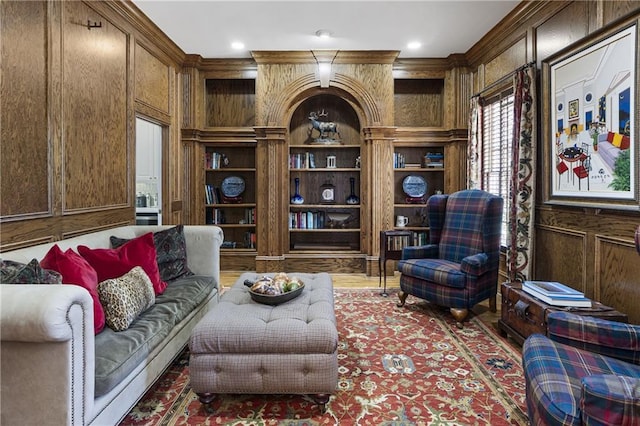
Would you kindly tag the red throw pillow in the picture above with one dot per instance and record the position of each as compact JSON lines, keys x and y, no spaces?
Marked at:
{"x":625,"y":143}
{"x":114,"y":263}
{"x":76,"y":270}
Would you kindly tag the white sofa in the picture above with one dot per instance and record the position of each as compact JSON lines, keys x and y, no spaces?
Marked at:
{"x":48,"y":343}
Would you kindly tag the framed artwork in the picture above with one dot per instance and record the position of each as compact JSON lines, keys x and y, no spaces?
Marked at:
{"x":573,"y":108}
{"x":592,"y":86}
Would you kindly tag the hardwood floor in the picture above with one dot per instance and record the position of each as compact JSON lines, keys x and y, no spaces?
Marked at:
{"x":364,"y":281}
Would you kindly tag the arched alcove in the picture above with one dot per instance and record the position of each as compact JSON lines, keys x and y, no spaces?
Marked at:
{"x":337,"y":110}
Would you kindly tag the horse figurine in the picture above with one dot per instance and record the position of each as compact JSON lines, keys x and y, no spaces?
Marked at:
{"x":328,"y":129}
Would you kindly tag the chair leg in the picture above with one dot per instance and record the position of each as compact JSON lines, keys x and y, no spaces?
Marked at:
{"x":493,"y":304}
{"x":403,"y":298}
{"x":459,"y":315}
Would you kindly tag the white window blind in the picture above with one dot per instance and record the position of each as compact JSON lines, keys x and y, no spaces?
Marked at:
{"x":497,"y":135}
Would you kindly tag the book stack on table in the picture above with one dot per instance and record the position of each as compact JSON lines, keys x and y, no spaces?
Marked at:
{"x":556,"y":294}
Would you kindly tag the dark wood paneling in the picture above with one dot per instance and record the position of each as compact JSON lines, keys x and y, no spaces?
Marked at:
{"x":230,"y":103}
{"x":565,"y":27}
{"x":613,"y":10}
{"x":618,"y":275}
{"x":325,"y":263}
{"x":43,"y":230}
{"x":564,"y":254}
{"x":23,"y":109}
{"x":238,"y":261}
{"x":95,"y":153}
{"x":506,"y":62}
{"x":419,"y":103}
{"x":151,"y":80}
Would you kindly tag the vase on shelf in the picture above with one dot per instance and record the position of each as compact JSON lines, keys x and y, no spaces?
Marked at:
{"x":297,"y":198}
{"x":353,"y":198}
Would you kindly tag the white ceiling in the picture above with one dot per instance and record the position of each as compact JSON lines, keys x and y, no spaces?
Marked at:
{"x":209,"y":27}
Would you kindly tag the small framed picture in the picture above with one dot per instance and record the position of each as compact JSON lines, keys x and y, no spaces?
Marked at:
{"x":573,"y":109}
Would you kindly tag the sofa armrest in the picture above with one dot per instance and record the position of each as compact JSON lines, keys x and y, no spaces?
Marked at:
{"x":476,"y":264}
{"x":47,"y":354}
{"x":610,"y":338}
{"x":610,"y":400}
{"x":430,"y":251}
{"x":203,"y":249}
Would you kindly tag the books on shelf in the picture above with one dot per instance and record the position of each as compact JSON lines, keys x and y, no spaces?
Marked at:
{"x":302,"y":161}
{"x":211,"y":194}
{"x":215,"y":160}
{"x":556,"y":294}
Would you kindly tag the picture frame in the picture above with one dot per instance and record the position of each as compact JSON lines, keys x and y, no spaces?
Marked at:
{"x":573,"y":108}
{"x":590,"y":121}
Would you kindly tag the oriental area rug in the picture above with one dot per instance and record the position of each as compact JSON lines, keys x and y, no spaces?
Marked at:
{"x":397,"y":366}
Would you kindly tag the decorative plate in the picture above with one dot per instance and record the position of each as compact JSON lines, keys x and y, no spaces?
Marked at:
{"x":414,"y":186}
{"x":232,"y":186}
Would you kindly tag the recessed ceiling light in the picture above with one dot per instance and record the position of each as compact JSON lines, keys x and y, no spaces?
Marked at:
{"x":414,"y":45}
{"x":237,"y":45}
{"x":323,"y":33}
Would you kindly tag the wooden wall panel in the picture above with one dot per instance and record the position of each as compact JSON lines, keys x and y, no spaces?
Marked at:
{"x":377,"y":81}
{"x":23,"y":109}
{"x":612,"y":10}
{"x":617,"y":272}
{"x":273,"y":79}
{"x":230,"y":102}
{"x":419,"y":103}
{"x":151,"y":80}
{"x":509,"y":60}
{"x":564,"y":254}
{"x":567,"y":26}
{"x":95,"y":150}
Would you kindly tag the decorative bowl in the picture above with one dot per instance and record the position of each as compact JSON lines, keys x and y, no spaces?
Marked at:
{"x":338,"y":219}
{"x":276,"y":299}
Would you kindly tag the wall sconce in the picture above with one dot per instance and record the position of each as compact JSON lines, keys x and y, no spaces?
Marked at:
{"x":324,"y":58}
{"x":324,"y":72}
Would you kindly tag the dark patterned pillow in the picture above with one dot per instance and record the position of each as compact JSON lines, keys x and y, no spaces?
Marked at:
{"x":171,"y":252}
{"x":126,"y":297}
{"x":32,"y":273}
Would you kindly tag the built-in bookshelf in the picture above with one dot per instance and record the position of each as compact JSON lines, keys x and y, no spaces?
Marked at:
{"x":229,"y":193}
{"x":324,"y":220}
{"x":325,"y":174}
{"x":421,"y":168}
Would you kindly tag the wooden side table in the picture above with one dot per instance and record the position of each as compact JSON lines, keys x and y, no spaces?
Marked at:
{"x":523,"y":314}
{"x":391,"y":245}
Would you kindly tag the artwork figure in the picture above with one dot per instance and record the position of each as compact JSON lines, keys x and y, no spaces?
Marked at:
{"x":328,"y":130}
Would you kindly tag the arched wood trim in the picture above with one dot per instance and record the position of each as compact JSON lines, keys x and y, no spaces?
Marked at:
{"x":308,"y":85}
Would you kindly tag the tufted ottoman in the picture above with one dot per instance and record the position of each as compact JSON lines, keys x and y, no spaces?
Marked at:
{"x":242,"y":346}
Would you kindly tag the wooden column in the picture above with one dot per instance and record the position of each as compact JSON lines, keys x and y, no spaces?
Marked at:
{"x":272,"y":198}
{"x":377,"y":199}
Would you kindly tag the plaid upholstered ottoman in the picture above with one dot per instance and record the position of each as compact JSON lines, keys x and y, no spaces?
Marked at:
{"x":245,"y":347}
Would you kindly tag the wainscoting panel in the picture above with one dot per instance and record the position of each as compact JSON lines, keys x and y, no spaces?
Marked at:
{"x":617,"y":279}
{"x":563,"y":252}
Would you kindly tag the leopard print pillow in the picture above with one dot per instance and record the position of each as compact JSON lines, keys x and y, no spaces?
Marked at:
{"x":126,"y":297}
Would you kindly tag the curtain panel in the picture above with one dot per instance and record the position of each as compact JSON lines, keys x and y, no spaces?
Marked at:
{"x":522,"y":176}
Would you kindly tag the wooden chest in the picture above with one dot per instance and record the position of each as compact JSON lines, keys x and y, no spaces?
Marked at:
{"x":522,"y":314}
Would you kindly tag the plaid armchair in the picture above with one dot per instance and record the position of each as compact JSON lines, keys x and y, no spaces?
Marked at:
{"x":587,"y":372}
{"x":459,"y":266}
